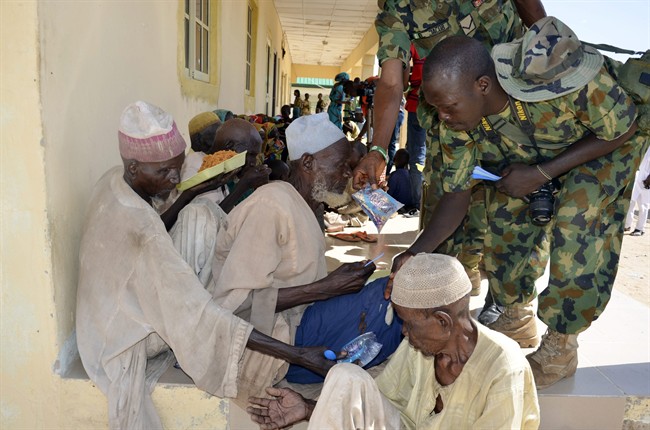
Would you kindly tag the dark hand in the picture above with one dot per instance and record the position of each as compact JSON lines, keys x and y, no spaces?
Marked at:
{"x":214,"y":183}
{"x":519,"y":180}
{"x":398,"y":262}
{"x":313,"y":358}
{"x":255,"y":176}
{"x":348,"y":278}
{"x":286,"y":408}
{"x":646,"y":182}
{"x":369,"y":170}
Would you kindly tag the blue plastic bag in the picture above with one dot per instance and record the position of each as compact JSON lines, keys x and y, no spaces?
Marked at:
{"x":377,"y":204}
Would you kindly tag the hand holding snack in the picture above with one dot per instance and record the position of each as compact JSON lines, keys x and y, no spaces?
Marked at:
{"x":213,"y":165}
{"x":214,"y":183}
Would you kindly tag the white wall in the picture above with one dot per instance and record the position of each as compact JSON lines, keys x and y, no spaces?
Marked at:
{"x":232,"y":66}
{"x":269,"y":29}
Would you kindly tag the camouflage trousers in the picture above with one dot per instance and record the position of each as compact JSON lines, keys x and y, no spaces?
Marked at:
{"x":583,"y":242}
{"x":467,"y":241}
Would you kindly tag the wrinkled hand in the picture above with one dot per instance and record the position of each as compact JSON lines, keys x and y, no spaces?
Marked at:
{"x":369,"y":170}
{"x":348,"y":278}
{"x":214,"y":183}
{"x":398,"y":262}
{"x":519,"y":180}
{"x":255,"y":176}
{"x":286,"y":408}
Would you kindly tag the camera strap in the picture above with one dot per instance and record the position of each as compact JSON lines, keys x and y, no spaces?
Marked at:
{"x":494,"y":125}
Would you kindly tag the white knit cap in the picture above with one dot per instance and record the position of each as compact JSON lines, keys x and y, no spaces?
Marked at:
{"x":149,"y":134}
{"x":428,"y":281}
{"x":310,"y":134}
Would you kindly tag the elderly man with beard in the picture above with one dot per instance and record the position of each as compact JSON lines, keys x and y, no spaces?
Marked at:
{"x":270,"y":259}
{"x":138,"y":299}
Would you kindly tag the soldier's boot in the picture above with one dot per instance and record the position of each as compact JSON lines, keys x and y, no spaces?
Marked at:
{"x":519,"y":324}
{"x":491,"y":310}
{"x":475,"y":278}
{"x":555,"y":359}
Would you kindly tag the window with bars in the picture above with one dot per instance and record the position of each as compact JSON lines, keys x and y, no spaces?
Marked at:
{"x":249,"y":48}
{"x":197,"y":39}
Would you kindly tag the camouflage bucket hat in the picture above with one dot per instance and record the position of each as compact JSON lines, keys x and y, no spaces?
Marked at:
{"x":547,"y":62}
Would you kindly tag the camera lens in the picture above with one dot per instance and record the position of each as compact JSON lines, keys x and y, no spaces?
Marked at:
{"x":542,"y":205}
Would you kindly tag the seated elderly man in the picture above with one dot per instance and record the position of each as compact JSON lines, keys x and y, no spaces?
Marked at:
{"x":270,"y":259}
{"x":235,"y":135}
{"x":202,"y":128}
{"x":137,"y":298}
{"x":193,"y":222}
{"x":240,"y":135}
{"x":449,"y":373}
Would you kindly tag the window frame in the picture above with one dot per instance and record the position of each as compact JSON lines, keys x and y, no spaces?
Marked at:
{"x":248,"y":78}
{"x":190,"y":22}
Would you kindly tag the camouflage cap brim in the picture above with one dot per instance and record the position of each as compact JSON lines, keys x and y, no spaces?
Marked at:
{"x":577,"y":75}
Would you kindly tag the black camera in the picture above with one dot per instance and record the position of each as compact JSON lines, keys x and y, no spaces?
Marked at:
{"x":542,"y":204}
{"x":361,"y":89}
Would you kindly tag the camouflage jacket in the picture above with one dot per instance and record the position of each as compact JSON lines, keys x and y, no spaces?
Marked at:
{"x":427,"y":22}
{"x":601,"y":107}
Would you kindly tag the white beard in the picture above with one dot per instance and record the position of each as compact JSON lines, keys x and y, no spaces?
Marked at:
{"x":334,"y":200}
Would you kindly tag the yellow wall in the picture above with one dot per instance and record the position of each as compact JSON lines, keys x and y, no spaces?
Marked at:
{"x":313,"y":71}
{"x":193,"y":88}
{"x":232,"y":28}
{"x":368,"y":46}
{"x":28,"y":330}
{"x":270,"y":31}
{"x":68,"y":70}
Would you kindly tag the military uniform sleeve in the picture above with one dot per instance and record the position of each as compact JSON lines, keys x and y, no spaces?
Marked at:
{"x":604,"y":108}
{"x":394,"y":41}
{"x":459,"y":158}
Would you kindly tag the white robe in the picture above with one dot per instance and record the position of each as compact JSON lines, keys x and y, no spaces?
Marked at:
{"x":640,"y":194}
{"x":272,"y":241}
{"x":495,"y":390}
{"x":137,"y":298}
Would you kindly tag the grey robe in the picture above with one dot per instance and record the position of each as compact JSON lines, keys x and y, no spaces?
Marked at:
{"x":137,"y":298}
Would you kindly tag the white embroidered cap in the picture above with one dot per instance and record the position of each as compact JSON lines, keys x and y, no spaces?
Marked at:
{"x":310,"y":134}
{"x":428,"y":281}
{"x":148,"y":134}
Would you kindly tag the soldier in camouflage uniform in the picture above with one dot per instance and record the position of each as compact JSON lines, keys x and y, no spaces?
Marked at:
{"x":425,"y":23}
{"x":553,"y":112}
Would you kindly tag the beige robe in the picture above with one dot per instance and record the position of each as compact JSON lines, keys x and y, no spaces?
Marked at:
{"x":272,"y":241}
{"x":137,"y":298}
{"x":495,"y":390}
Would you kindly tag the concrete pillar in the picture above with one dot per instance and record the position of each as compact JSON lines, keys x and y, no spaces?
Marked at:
{"x":368,"y":65}
{"x":356,"y":71}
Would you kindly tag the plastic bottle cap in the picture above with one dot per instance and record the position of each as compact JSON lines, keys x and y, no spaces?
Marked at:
{"x":330,"y":355}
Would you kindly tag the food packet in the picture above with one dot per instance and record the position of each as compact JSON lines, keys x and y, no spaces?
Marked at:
{"x":377,"y":204}
{"x":363,"y":348}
